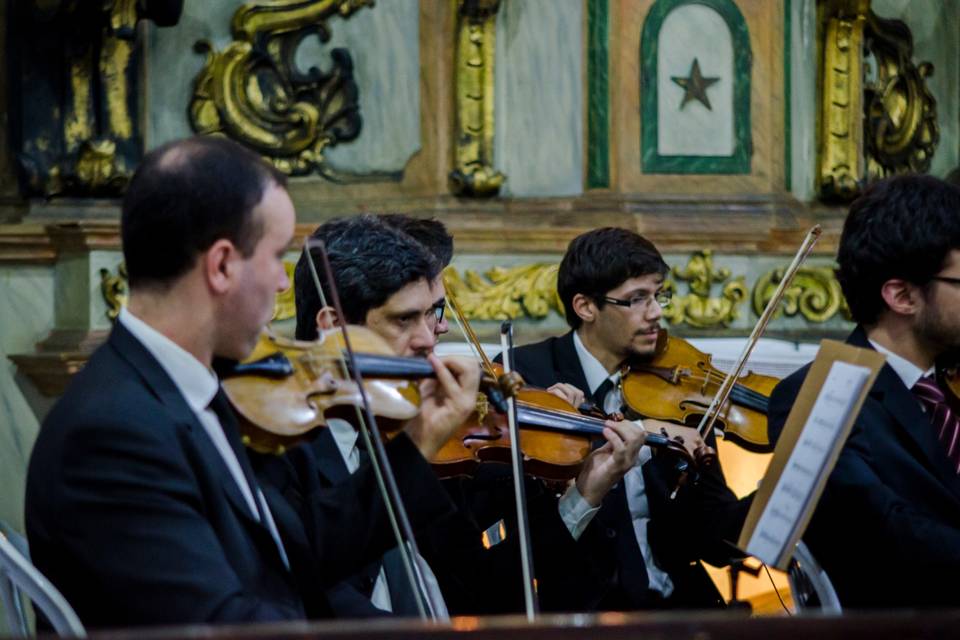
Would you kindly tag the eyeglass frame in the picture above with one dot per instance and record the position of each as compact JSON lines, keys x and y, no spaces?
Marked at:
{"x":438,"y":310}
{"x":663,"y":298}
{"x":946,"y":279}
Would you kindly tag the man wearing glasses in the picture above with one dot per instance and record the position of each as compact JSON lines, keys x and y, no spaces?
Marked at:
{"x":611,"y":285}
{"x":387,"y":272}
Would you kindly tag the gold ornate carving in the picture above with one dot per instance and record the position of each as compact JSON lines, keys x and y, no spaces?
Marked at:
{"x":506,"y":293}
{"x":697,"y":308}
{"x":901,"y":114}
{"x":815,"y":294}
{"x":285,"y":306}
{"x":876,"y":125}
{"x":251,"y":91}
{"x":114,"y":290}
{"x":841,"y":100}
{"x":474,"y":174}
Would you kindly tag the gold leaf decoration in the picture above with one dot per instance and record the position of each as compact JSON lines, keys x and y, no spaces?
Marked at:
{"x":252,"y":92}
{"x":697,"y":308}
{"x":285,"y":306}
{"x":114,"y":290}
{"x":474,"y":174}
{"x":506,"y":293}
{"x":814,"y":293}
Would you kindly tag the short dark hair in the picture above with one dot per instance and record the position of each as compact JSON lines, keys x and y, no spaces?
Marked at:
{"x":429,"y":232}
{"x":603,"y":259}
{"x":901,"y":227}
{"x":370,"y":263}
{"x":186,"y":195}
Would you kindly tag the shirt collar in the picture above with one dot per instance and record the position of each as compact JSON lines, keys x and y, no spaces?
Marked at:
{"x":196,"y":383}
{"x":345,"y":435}
{"x":593,"y":371}
{"x":906,"y":370}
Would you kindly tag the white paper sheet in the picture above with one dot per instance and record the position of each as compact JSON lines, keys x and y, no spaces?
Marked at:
{"x":790,"y":499}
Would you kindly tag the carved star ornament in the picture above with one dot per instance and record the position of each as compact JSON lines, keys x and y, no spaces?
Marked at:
{"x":695,"y":86}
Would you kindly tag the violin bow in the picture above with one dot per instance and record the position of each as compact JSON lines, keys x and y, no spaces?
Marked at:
{"x":382,"y":468}
{"x":516,"y":460}
{"x":720,"y":399}
{"x":519,"y":487}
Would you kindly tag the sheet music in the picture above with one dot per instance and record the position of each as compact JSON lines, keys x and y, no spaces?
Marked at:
{"x":791,"y":497}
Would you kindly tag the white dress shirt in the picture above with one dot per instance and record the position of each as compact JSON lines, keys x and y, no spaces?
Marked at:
{"x":905,"y":370}
{"x":198,"y":385}
{"x":345,"y":435}
{"x":634,"y":484}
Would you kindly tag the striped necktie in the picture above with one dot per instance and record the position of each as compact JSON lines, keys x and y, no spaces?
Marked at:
{"x":944,"y":420}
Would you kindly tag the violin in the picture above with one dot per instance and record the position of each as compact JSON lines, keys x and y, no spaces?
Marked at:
{"x":287,"y":388}
{"x":555,"y":439}
{"x":678,"y":383}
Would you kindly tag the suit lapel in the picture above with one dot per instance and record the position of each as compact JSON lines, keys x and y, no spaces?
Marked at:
{"x":900,"y":403}
{"x":162,"y":386}
{"x":567,"y":363}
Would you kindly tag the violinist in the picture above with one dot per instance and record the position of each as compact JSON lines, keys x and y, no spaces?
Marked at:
{"x":887,"y":528}
{"x":391,"y":292}
{"x":141,"y":505}
{"x":610,"y":282}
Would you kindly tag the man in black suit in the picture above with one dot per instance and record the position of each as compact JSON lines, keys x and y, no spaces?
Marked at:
{"x":887,"y":528}
{"x":141,"y":504}
{"x":393,"y":287}
{"x":610,"y":282}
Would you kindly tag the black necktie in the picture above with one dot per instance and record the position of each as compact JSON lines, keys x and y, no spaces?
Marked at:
{"x":601,"y":393}
{"x":228,"y":422}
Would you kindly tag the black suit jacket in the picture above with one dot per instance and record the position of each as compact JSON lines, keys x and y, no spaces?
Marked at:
{"x":133,"y":515}
{"x":887,"y":528}
{"x":475,"y":580}
{"x":696,"y":525}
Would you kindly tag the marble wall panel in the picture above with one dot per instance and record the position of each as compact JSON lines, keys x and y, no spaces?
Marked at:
{"x":26,"y":316}
{"x":384,"y":44}
{"x":540,"y":97}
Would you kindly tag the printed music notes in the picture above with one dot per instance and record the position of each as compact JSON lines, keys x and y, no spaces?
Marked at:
{"x":819,"y":423}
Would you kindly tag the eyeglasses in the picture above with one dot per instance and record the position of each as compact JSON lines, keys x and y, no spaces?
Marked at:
{"x":947,"y":279}
{"x":438,"y":310}
{"x":642,"y":300}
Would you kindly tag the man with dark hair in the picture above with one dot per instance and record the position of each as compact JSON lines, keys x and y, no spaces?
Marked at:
{"x":887,"y":528}
{"x":141,"y":505}
{"x":406,"y":319}
{"x":433,"y":235}
{"x":610,"y":282}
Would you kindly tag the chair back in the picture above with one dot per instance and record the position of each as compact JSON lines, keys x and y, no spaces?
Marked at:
{"x":19,"y":577}
{"x":809,"y":583}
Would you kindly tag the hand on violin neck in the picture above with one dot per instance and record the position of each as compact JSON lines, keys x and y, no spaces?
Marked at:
{"x":606,"y":466}
{"x":567,"y":392}
{"x":689,"y":437}
{"x":446,"y":403}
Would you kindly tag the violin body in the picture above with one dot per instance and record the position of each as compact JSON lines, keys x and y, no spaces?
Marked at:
{"x":550,"y":451}
{"x":287,"y":388}
{"x":679,"y":382}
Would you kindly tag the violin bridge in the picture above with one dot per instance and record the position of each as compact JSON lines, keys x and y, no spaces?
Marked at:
{"x":482,"y":407}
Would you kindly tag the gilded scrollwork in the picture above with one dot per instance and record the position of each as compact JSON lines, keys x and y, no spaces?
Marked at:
{"x":82,"y":137}
{"x":252,"y":91}
{"x":285,"y":306}
{"x":814,"y":293}
{"x":901,"y":114}
{"x":506,"y":293}
{"x":474,"y":174}
{"x":877,"y":116}
{"x":697,"y":308}
{"x":114,"y":290}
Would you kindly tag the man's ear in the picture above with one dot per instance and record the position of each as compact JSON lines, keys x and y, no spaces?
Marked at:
{"x":218,"y":264}
{"x":585,"y":307}
{"x":901,"y":297}
{"x":327,"y":318}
